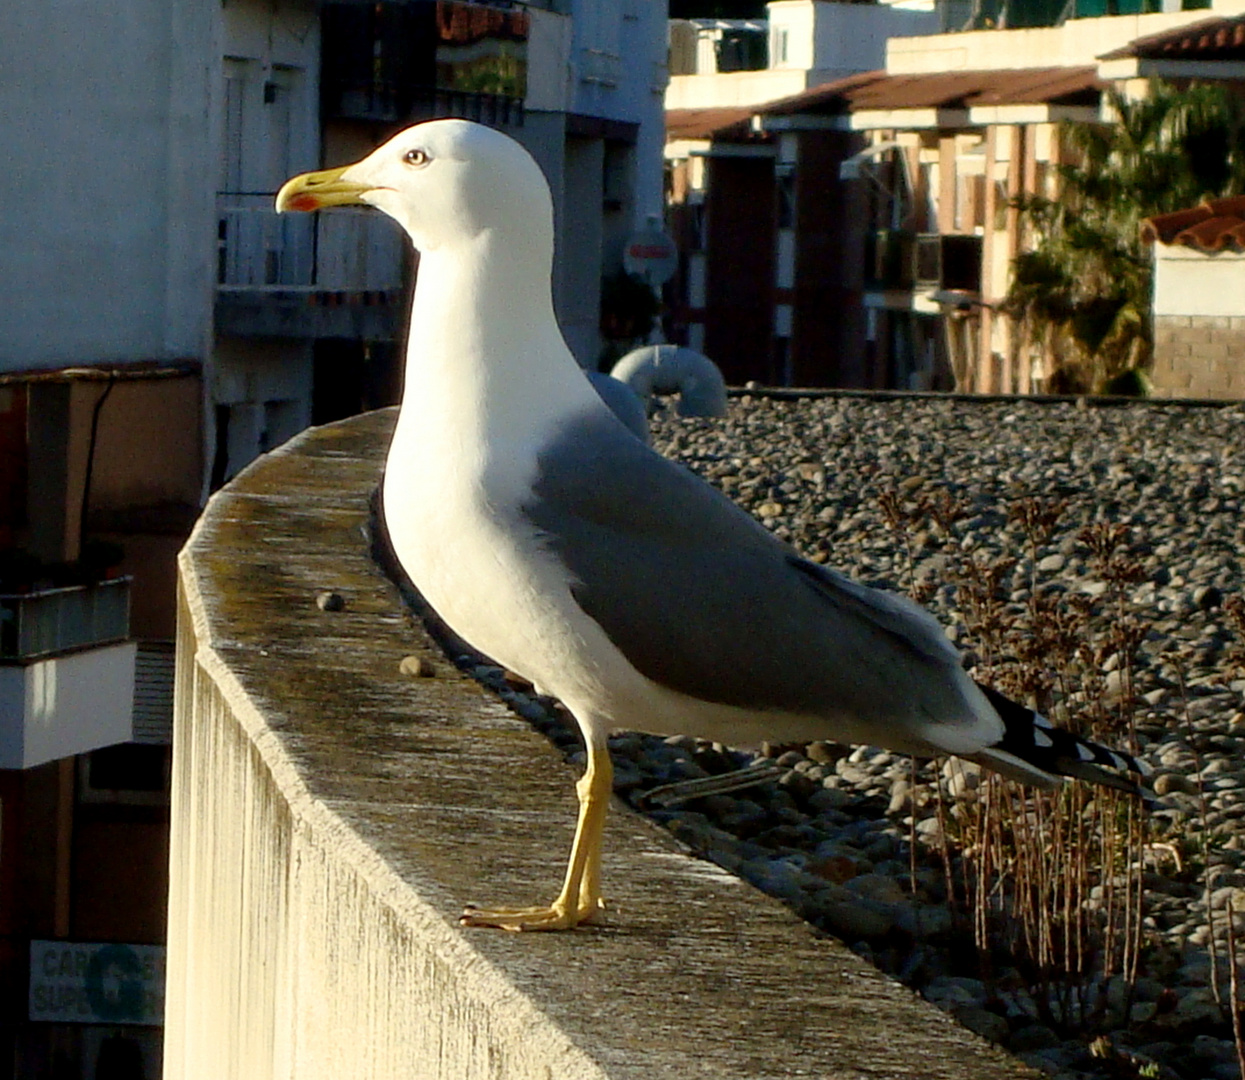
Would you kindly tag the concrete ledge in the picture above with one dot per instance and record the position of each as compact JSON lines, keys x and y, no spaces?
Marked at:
{"x":332,"y":815}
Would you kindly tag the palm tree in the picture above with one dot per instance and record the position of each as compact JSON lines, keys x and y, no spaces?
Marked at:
{"x":1082,"y":294}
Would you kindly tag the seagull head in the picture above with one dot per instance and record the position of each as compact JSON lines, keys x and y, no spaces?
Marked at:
{"x":444,"y":181}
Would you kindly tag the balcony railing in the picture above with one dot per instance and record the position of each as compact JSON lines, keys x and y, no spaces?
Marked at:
{"x":345,"y":251}
{"x":52,"y":621}
{"x":1020,"y":14}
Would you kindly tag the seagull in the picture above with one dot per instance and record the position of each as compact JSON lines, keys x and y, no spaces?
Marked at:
{"x":552,"y":539}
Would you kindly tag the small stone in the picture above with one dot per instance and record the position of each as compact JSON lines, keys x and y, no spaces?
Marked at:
{"x":330,"y":601}
{"x":1052,"y":564}
{"x":855,"y":919}
{"x":1172,"y":782}
{"x":901,"y":797}
{"x":828,"y":798}
{"x":948,"y":990}
{"x":930,"y":830}
{"x":835,"y":868}
{"x":1208,"y":1048}
{"x":416,"y":666}
{"x":1198,"y":1006}
{"x":1032,"y":1037}
{"x":987,"y":1024}
{"x":827,"y":753}
{"x":923,"y":920}
{"x":963,"y":777}
{"x":1207,"y":597}
{"x":878,"y":887}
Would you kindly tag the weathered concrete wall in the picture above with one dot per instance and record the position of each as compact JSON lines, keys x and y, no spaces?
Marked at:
{"x":331,"y":816}
{"x":1199,"y":356}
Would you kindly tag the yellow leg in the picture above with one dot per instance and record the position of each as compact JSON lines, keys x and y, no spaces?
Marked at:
{"x":580,"y":897}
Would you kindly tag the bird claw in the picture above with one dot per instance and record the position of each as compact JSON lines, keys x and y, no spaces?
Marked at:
{"x":555,"y":916}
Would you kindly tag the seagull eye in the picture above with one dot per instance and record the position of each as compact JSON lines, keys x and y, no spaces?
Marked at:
{"x":415,"y":157}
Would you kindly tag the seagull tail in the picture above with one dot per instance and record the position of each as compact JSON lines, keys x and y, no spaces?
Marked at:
{"x":1036,"y":752}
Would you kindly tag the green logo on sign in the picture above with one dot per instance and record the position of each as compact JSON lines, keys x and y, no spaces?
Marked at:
{"x":114,"y":984}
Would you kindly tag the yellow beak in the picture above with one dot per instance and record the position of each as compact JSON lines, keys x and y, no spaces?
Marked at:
{"x":316,"y":190}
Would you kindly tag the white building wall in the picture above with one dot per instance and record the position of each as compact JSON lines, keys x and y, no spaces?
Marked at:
{"x":549,"y":43}
{"x":852,"y":37}
{"x":644,"y":51}
{"x":618,"y":60}
{"x":1189,"y":282}
{"x":106,"y":240}
{"x":1076,"y":42}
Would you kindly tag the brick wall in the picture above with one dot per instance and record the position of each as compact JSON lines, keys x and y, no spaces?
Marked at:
{"x":1199,"y":356}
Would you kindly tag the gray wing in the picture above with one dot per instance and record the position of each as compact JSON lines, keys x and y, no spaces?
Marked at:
{"x":702,"y":599}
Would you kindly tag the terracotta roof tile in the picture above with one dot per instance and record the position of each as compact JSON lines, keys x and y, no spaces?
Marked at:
{"x":706,"y":123}
{"x":956,"y":89}
{"x":1209,"y":39}
{"x":1216,"y":225}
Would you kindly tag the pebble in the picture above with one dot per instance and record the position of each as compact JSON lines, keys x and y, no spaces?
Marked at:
{"x":417,"y":666}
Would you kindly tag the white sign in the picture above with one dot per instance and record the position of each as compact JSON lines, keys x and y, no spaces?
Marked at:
{"x":83,"y":983}
{"x":651,"y":255}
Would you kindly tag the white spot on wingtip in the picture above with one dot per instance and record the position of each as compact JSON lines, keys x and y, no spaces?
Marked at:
{"x":1040,"y":738}
{"x":1040,"y":721}
{"x":1084,"y":752}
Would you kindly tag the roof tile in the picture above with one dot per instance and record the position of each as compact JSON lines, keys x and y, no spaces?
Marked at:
{"x":1208,"y":39}
{"x":955,"y":89}
{"x":1216,"y":225}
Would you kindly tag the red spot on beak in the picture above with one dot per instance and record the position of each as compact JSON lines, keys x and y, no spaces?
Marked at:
{"x":304,"y":202}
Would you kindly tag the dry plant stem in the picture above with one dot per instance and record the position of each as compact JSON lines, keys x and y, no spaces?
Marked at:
{"x":944,"y":848}
{"x":1235,"y":989}
{"x":1027,"y":861}
{"x":1204,"y":835}
{"x":912,"y":832}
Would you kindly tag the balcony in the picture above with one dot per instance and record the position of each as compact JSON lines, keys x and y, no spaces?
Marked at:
{"x":331,"y":815}
{"x":66,"y":672}
{"x":38,"y":624}
{"x":299,"y":275}
{"x":900,"y":260}
{"x":392,"y":62}
{"x":1021,"y":14}
{"x":948,"y":262}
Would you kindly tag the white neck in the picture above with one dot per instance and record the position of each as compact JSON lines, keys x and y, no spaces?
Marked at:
{"x":485,"y":358}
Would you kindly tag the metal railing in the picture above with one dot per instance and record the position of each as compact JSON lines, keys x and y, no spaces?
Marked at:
{"x":51,"y":621}
{"x":347,"y":250}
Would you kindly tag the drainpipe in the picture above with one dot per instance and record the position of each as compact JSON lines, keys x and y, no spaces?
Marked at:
{"x":90,"y":460}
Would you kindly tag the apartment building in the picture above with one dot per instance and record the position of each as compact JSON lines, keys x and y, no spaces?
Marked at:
{"x":924,"y":159}
{"x":164,"y":328}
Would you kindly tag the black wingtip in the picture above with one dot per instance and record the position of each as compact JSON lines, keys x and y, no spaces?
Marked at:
{"x":1035,"y":741}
